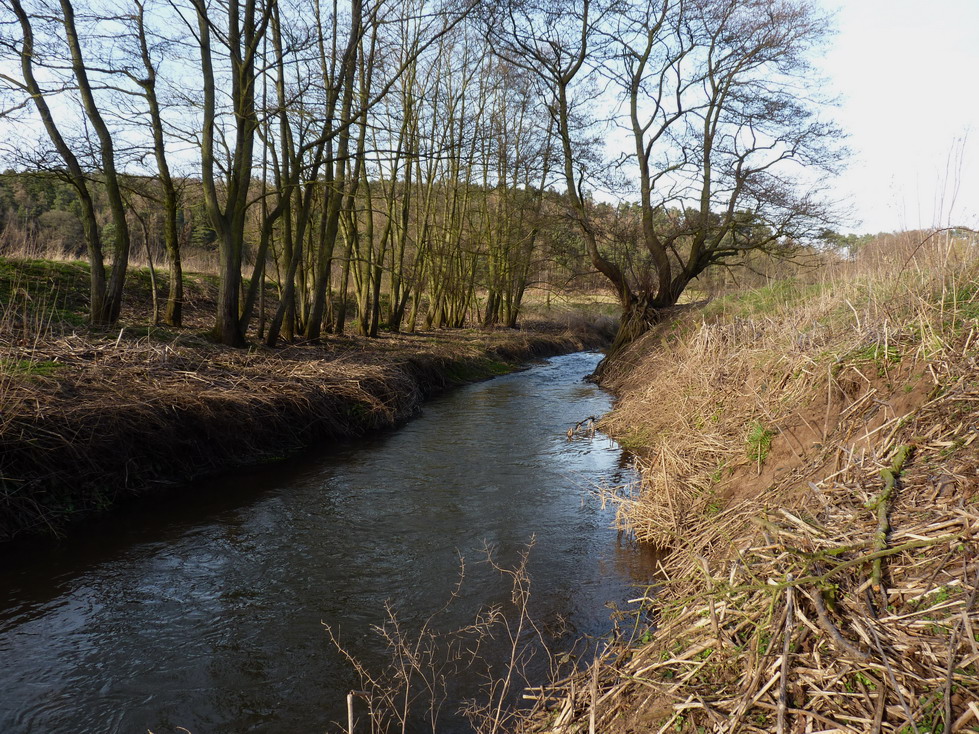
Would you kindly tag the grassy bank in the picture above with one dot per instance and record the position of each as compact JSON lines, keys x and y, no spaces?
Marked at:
{"x":811,"y":463}
{"x":87,"y":417}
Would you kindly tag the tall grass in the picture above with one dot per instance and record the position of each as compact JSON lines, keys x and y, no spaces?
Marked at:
{"x":806,"y":589}
{"x":696,"y":387}
{"x":28,"y":321}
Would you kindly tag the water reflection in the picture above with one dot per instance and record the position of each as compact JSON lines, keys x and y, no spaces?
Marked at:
{"x":204,"y":610}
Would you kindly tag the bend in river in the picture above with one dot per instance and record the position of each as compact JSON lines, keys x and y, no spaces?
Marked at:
{"x":206,"y":610}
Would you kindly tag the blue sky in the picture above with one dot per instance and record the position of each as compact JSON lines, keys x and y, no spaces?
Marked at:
{"x":905,"y":71}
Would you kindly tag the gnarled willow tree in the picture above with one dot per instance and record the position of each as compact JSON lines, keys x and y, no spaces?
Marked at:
{"x":715,"y":98}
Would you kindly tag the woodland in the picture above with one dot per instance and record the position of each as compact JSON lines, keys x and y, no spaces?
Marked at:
{"x":411,"y":161}
{"x":285,"y":173}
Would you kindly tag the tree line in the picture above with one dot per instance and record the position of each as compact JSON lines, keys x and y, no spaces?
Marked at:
{"x":432,"y":159}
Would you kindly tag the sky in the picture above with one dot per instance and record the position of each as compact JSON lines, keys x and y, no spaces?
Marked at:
{"x":905,"y":72}
{"x":906,"y":75}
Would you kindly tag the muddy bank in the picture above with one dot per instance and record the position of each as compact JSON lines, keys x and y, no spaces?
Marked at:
{"x":87,"y":423}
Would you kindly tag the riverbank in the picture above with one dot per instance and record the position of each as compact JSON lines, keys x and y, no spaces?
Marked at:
{"x":204,"y":611}
{"x":89,"y":418}
{"x":811,"y":463}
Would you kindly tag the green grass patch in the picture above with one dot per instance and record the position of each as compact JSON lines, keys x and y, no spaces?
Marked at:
{"x":30,"y":368}
{"x":875,"y":353}
{"x":759,"y":442}
{"x":634,"y":440}
{"x":713,"y":507}
{"x":762,"y":301}
{"x":939,"y":596}
{"x":479,"y":369}
{"x":961,"y":305}
{"x":718,"y":473}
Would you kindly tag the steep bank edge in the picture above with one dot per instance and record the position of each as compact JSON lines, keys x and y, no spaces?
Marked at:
{"x":807,"y":589}
{"x":83,"y":440}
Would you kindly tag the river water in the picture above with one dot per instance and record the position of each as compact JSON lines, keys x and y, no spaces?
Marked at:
{"x":206,"y":609}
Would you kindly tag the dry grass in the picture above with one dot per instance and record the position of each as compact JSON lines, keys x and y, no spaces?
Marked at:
{"x":16,"y":245}
{"x":114,"y":416}
{"x":87,"y":417}
{"x":768,"y":617}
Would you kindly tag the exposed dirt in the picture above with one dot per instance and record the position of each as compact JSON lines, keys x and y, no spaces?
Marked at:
{"x":853,"y":408}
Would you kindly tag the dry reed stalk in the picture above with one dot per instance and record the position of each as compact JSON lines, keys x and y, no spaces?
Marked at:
{"x":765,"y":619}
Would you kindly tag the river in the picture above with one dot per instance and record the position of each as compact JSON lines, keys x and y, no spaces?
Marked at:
{"x":206,"y":609}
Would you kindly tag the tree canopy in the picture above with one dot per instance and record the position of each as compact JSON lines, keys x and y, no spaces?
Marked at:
{"x":425,"y":153}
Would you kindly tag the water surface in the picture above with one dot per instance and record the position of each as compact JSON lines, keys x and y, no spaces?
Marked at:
{"x":205,"y":610}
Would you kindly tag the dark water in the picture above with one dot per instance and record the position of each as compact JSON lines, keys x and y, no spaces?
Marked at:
{"x":206,"y":611}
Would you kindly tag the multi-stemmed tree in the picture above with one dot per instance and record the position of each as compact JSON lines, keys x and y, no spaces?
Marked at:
{"x":62,"y":56}
{"x":715,"y":96}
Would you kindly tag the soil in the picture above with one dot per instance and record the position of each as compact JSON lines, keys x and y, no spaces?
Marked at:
{"x":882,"y":398}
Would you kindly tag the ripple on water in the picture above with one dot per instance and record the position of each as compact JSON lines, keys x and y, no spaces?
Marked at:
{"x":208,"y":614}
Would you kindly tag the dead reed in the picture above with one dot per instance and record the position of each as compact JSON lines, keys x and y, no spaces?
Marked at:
{"x":412,"y":688}
{"x":809,"y":457}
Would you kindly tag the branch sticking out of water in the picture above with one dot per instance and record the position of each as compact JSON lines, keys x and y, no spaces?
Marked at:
{"x":587,"y":426}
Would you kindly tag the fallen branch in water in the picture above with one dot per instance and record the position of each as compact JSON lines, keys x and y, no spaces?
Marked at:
{"x":589,"y":421}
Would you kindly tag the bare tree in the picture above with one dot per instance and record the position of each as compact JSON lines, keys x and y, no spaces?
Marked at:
{"x":173,"y":314}
{"x":240,"y":30}
{"x":716,"y":102}
{"x":106,"y":295}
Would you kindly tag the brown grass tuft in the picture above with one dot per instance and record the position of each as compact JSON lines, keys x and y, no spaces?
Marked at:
{"x":766,"y":425}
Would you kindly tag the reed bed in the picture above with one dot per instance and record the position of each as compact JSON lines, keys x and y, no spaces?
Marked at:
{"x":810,"y":462}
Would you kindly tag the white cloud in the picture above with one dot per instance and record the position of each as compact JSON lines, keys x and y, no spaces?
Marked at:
{"x":904,"y":70}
